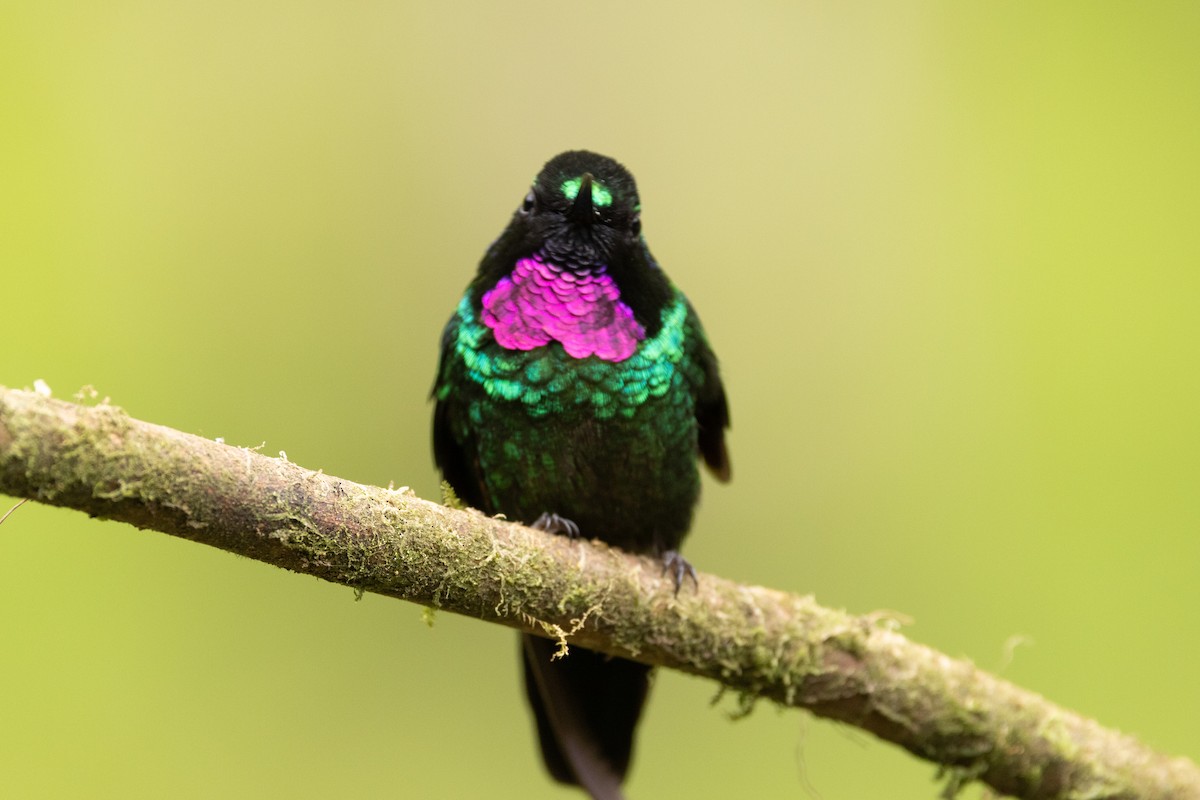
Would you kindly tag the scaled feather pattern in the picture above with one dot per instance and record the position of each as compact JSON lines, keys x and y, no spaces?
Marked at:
{"x":537,"y":377}
{"x":541,"y":302}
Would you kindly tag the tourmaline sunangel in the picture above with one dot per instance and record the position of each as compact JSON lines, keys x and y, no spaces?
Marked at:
{"x":577,"y":392}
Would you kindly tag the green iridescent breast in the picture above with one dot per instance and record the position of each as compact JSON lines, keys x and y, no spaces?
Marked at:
{"x":546,"y":380}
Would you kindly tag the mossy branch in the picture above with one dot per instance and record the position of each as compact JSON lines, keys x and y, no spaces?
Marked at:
{"x":758,"y":642}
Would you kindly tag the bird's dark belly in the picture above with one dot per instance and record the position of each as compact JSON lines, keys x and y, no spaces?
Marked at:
{"x":620,"y":479}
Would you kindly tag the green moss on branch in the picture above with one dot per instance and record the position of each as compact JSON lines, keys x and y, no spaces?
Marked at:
{"x":758,"y":642}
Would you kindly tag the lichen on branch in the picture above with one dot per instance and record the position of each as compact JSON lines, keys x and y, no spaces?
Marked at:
{"x":756,"y":641}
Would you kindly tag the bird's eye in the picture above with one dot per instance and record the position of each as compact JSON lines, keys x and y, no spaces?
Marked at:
{"x":528,"y":203}
{"x":635,"y":225}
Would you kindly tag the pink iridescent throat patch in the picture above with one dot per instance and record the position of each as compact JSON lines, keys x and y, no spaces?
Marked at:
{"x":539,"y":303}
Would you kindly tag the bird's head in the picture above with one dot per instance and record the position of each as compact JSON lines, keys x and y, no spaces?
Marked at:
{"x":583,"y":210}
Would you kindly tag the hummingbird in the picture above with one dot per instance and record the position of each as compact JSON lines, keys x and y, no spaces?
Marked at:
{"x":577,"y":392}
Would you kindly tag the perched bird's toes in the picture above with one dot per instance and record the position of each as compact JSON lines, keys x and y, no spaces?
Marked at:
{"x":679,"y":568}
{"x":553,"y":523}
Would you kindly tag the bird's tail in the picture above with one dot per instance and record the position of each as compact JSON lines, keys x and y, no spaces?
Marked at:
{"x":587,"y":706}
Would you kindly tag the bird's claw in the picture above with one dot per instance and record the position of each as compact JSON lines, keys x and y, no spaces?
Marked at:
{"x":679,"y":568}
{"x":553,"y":523}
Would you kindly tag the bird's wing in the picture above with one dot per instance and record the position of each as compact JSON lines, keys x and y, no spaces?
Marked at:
{"x":712,"y":410}
{"x":453,"y":450}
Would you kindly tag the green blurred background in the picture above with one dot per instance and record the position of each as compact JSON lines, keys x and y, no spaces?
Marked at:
{"x":947,"y":253}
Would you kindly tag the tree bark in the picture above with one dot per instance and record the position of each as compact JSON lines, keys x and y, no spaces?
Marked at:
{"x":758,"y":642}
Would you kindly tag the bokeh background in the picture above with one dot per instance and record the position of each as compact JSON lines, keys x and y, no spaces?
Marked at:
{"x":947,"y":253}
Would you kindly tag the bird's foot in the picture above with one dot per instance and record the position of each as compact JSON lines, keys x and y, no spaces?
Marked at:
{"x":553,"y":523}
{"x":679,"y":568}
